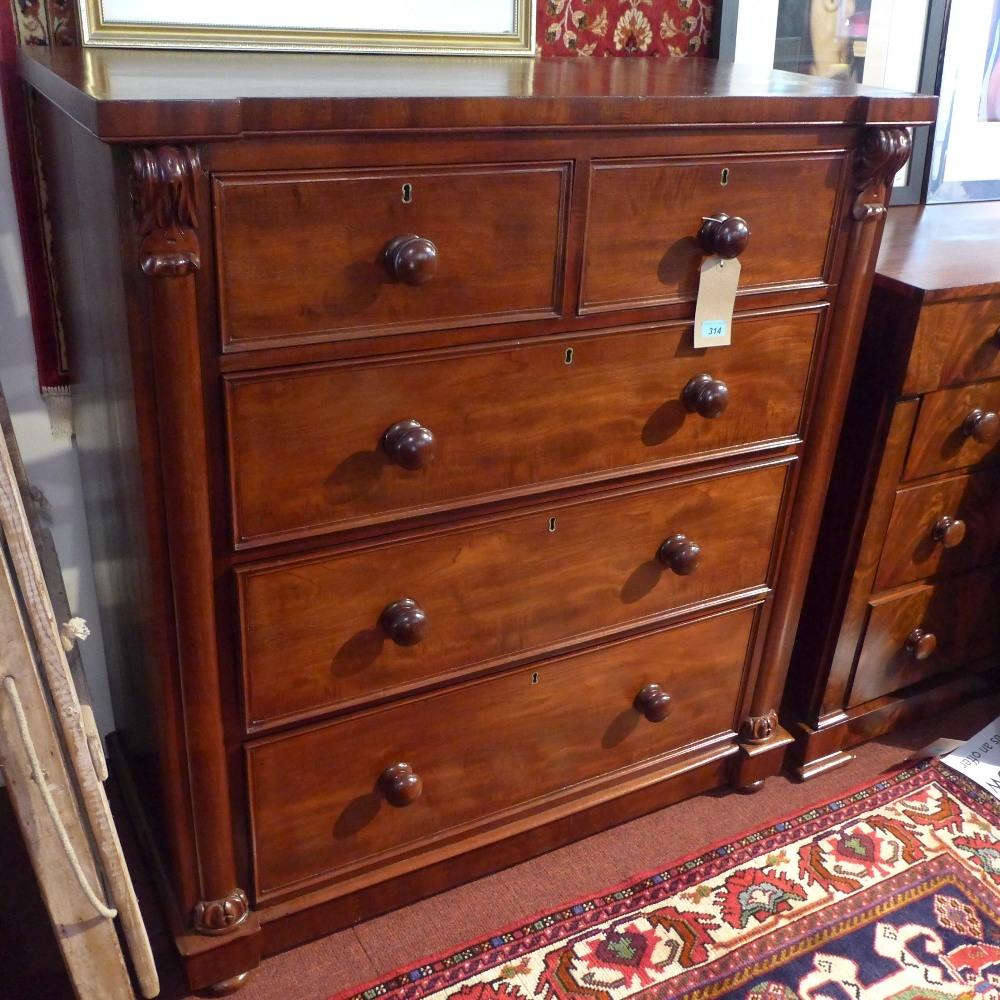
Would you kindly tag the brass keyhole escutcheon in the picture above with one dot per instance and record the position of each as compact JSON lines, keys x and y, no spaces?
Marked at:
{"x":552,"y":524}
{"x":569,"y":355}
{"x":724,"y":179}
{"x":407,"y":193}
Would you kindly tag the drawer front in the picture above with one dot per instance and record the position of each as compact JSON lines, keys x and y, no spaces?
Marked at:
{"x":318,"y":632}
{"x":942,"y":527}
{"x":961,"y":616}
{"x":503,"y":422}
{"x":955,"y":342}
{"x":956,"y":428}
{"x":644,"y":217}
{"x":302,"y":257}
{"x":321,"y":803}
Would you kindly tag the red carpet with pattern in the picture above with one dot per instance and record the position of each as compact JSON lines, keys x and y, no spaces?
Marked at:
{"x":889,"y":892}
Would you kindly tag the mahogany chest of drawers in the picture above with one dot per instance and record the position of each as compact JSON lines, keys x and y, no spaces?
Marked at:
{"x":426,"y":538}
{"x":902,"y":614}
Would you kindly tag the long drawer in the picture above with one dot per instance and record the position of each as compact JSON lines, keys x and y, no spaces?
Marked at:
{"x":322,"y":256}
{"x":346,"y":625}
{"x":367,"y":790}
{"x":945,"y":526}
{"x":370,"y":442}
{"x":644,"y":218}
{"x":926,"y":630}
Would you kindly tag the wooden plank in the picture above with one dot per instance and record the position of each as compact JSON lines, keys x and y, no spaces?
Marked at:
{"x":88,"y":941}
{"x":47,"y":641}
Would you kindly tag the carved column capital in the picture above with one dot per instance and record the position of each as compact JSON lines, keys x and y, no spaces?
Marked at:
{"x":882,"y":152}
{"x":759,"y":728}
{"x":220,"y":916}
{"x":163,"y":183}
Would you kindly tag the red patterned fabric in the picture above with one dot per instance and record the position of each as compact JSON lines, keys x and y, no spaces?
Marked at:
{"x":35,"y":22}
{"x":623,"y":27}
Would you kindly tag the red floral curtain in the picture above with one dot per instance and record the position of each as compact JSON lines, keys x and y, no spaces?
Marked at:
{"x":623,"y":27}
{"x":565,"y":28}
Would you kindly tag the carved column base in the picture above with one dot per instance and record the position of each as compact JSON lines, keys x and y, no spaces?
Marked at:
{"x":759,"y":728}
{"x":220,"y":916}
{"x":762,"y":752}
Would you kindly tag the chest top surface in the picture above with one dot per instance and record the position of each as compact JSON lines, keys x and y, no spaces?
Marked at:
{"x":129,"y":95}
{"x":929,"y":249}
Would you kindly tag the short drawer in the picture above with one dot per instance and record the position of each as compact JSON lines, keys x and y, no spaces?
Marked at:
{"x":942,"y":527}
{"x":310,"y":257}
{"x":644,"y":217}
{"x":955,"y":428}
{"x":328,"y":801}
{"x":351,"y":624}
{"x":955,"y":342}
{"x":927,"y":630}
{"x":489,"y":423}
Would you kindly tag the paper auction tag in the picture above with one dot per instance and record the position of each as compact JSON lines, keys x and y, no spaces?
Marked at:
{"x":713,"y":313}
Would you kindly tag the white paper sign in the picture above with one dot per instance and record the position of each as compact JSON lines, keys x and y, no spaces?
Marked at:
{"x":978,"y":759}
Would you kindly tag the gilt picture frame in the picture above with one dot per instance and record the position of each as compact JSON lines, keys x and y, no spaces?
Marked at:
{"x":432,"y":27}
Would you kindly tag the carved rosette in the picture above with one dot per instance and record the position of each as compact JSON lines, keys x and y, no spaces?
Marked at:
{"x":882,"y":153}
{"x":163,"y":183}
{"x":220,"y":916}
{"x":759,"y":728}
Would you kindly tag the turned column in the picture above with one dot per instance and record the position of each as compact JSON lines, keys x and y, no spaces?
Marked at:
{"x":164,"y":183}
{"x":882,"y":152}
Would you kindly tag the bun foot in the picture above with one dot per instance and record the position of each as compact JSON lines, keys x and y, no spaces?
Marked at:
{"x":753,"y":786}
{"x":230,"y":985}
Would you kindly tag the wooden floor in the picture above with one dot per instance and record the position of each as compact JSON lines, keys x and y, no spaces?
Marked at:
{"x":29,"y":961}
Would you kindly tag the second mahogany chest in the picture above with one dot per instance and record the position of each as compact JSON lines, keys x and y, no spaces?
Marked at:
{"x":902,"y":614}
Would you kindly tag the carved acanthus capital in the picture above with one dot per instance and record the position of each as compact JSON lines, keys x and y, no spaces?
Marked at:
{"x":882,"y":153}
{"x":163,"y":182}
{"x":220,"y":916}
{"x":759,"y":728}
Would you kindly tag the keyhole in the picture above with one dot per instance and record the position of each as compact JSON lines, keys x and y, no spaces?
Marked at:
{"x":407,"y":193}
{"x":552,"y":524}
{"x":724,"y":179}
{"x":569,"y":355}
{"x":534,"y":678}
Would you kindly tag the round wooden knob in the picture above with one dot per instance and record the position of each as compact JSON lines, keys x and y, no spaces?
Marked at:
{"x":724,"y":235}
{"x":920,"y":643}
{"x":410,"y":444}
{"x":680,"y":554}
{"x":706,"y":396}
{"x":411,"y":259}
{"x":653,"y":702}
{"x":404,"y":622}
{"x":400,"y":785}
{"x":982,"y":426}
{"x":949,"y":531}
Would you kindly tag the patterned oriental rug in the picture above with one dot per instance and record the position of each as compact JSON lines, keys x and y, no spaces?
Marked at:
{"x":889,"y":893}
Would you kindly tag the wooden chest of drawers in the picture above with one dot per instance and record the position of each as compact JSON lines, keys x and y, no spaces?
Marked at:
{"x":427,"y":538}
{"x":901,"y":614}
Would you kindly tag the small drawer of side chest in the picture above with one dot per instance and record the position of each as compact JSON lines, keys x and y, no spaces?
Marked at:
{"x":375,"y":441}
{"x":363,"y":793}
{"x":322,"y":256}
{"x":942,"y":527}
{"x":352,"y":624}
{"x":644,"y":217}
{"x":926,"y":630}
{"x":954,"y":342}
{"x":956,"y":428}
